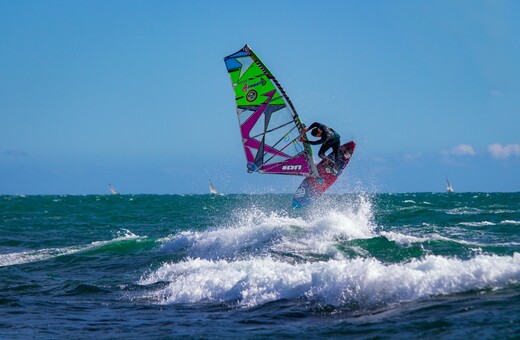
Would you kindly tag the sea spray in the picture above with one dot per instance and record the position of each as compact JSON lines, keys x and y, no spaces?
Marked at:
{"x":16,"y":258}
{"x":253,"y":232}
{"x":365,"y":283}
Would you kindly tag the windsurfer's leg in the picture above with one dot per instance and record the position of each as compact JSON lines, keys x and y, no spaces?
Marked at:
{"x":321,"y":152}
{"x":335,"y":156}
{"x":336,"y":152}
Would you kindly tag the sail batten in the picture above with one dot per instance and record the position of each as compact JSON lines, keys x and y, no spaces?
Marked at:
{"x":269,"y":123}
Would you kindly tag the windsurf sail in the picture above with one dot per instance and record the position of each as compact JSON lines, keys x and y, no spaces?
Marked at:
{"x":269,"y":124}
{"x":212,"y":189}
{"x":449,"y":188}
{"x":113,"y":191}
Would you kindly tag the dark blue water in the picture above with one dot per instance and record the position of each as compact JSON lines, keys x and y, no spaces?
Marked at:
{"x":248,"y":266}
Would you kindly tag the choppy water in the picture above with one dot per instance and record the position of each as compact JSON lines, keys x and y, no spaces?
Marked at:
{"x":248,"y":266}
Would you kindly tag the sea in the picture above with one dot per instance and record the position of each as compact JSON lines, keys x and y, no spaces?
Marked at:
{"x":358,"y":265}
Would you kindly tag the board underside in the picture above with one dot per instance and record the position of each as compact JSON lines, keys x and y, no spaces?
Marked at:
{"x":313,"y":187}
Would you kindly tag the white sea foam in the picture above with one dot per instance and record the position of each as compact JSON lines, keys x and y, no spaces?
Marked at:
{"x":366,"y":283}
{"x":465,"y":211}
{"x":477,"y":224}
{"x":11,"y":259}
{"x":510,"y":222}
{"x":402,"y":238}
{"x":239,"y":263}
{"x":16,"y":258}
{"x":407,"y":240}
{"x":252,"y":232}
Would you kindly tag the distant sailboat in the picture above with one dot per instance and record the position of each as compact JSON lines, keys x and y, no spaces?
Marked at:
{"x":449,"y":188}
{"x":113,"y":191}
{"x":212,"y":189}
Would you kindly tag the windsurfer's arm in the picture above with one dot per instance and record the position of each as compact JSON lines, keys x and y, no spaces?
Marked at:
{"x":314,"y":142}
{"x":323,"y":138}
{"x":313,"y":125}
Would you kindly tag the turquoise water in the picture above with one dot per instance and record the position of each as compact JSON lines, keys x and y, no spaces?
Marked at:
{"x":248,"y":266}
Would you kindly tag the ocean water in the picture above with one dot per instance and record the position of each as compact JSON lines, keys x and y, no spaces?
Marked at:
{"x":248,"y":266}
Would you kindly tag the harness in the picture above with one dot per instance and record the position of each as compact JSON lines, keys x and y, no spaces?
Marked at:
{"x":333,"y":135}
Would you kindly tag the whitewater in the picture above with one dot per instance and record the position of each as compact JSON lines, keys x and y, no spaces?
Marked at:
{"x":248,"y":266}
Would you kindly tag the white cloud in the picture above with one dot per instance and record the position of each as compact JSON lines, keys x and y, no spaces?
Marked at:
{"x":501,"y":152}
{"x":463,"y":149}
{"x":409,"y":157}
{"x":496,"y":93}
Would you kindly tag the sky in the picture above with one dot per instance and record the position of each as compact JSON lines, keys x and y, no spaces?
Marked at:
{"x":136,"y":93}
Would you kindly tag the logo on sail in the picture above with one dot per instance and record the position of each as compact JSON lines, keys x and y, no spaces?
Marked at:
{"x":291,"y":167}
{"x":250,"y":86}
{"x":251,"y":96}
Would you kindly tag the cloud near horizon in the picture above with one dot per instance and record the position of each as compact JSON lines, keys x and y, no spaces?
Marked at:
{"x":502,"y":152}
{"x":412,"y":157}
{"x":496,"y":93}
{"x":15,"y":153}
{"x":462,"y":150}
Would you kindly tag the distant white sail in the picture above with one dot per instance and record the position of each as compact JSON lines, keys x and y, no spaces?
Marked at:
{"x":113,"y":191}
{"x":449,"y":188}
{"x":212,"y":189}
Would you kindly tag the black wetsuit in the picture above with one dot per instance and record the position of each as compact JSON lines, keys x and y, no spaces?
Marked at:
{"x":329,"y":139}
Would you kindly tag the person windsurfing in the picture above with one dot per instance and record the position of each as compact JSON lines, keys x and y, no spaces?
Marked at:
{"x":329,"y":139}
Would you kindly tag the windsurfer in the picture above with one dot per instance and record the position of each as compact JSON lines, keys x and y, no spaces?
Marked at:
{"x":329,"y":139}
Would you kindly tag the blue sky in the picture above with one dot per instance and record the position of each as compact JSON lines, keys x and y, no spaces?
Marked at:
{"x":135,"y":93}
